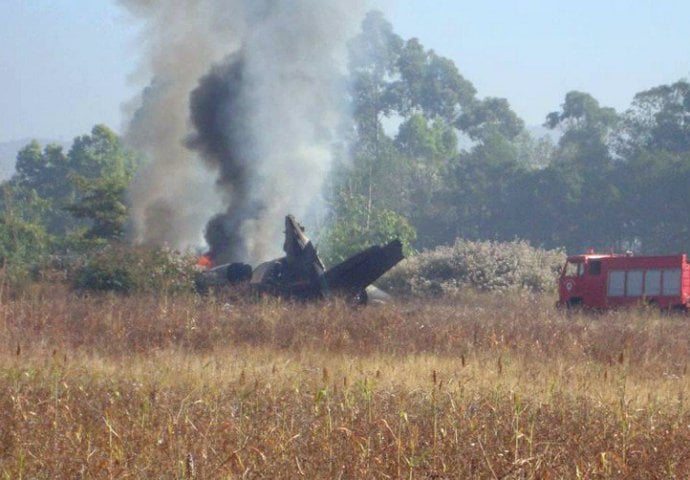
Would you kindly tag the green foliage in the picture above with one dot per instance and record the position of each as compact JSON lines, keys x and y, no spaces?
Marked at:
{"x":31,"y":167}
{"x":23,"y":245}
{"x":534,"y":153}
{"x":488,"y":117}
{"x":587,"y":128}
{"x":658,"y":120}
{"x":126,"y":269}
{"x":67,"y":203}
{"x":372,"y":61}
{"x":421,"y":139}
{"x":477,"y":191}
{"x":40,"y":188}
{"x":429,"y":84}
{"x":359,"y":226}
{"x":487,"y":266}
{"x":101,"y":154}
{"x":21,"y":242}
{"x":85,"y":188}
{"x":407,"y":174}
{"x":657,"y":201}
{"x":581,"y":111}
{"x":102,"y":201}
{"x":101,"y":169}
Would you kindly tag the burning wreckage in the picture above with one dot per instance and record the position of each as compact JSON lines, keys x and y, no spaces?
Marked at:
{"x":301,"y":274}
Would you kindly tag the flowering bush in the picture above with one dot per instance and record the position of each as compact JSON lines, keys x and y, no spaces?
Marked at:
{"x":487,"y":266}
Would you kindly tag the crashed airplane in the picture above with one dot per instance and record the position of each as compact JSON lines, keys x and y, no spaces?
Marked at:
{"x":301,"y":274}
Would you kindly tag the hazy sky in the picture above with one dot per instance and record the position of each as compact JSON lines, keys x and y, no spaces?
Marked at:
{"x":66,"y":65}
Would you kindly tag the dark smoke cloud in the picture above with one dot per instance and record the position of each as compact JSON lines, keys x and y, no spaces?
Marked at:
{"x":221,"y":133}
{"x":218,"y":115}
{"x":253,"y":89}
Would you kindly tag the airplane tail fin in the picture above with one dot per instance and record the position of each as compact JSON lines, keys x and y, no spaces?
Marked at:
{"x":364,"y":268}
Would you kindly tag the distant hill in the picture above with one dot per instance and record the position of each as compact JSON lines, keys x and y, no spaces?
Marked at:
{"x":8,"y":153}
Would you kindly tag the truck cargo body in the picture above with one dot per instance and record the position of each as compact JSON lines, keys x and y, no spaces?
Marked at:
{"x":602,"y":281}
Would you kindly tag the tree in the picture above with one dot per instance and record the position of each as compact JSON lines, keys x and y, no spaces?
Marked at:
{"x":100,"y":171}
{"x":67,"y":196}
{"x":534,"y":153}
{"x":429,"y":84}
{"x":587,"y":129}
{"x":425,"y":148}
{"x":356,"y":226}
{"x":372,"y":62}
{"x":488,"y":117}
{"x":21,"y":241}
{"x":102,"y":203}
{"x":412,"y":174}
{"x":541,"y":206}
{"x":42,"y":171}
{"x":653,"y":150}
{"x":31,"y":167}
{"x":420,"y":138}
{"x":100,"y":153}
{"x":584,"y":157}
{"x":659,"y":119}
{"x":40,"y":186}
{"x":656,"y":201}
{"x":476,"y":193}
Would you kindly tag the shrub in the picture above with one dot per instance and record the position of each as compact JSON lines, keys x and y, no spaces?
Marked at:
{"x":126,"y":269}
{"x":487,"y":266}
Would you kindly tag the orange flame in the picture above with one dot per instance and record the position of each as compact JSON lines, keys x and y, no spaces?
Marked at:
{"x":205,"y":261}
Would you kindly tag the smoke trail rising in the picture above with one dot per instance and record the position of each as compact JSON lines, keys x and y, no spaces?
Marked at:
{"x":251,"y":87}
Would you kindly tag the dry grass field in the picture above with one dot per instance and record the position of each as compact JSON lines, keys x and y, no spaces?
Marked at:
{"x":485,"y":386}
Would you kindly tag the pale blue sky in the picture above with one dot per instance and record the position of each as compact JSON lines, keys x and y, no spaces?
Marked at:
{"x":65,"y":64}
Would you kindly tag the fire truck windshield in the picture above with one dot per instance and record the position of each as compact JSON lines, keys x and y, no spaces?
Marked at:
{"x":574,"y":269}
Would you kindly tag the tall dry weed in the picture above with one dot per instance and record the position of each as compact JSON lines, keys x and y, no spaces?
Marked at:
{"x":492,"y":386}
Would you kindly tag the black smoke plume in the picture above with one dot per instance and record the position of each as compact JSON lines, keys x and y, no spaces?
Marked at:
{"x":219,"y":119}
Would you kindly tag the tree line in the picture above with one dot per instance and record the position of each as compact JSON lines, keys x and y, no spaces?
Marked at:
{"x":457,"y":166}
{"x":61,"y":202}
{"x":424,"y":159}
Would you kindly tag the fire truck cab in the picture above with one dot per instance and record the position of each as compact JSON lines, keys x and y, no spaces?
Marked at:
{"x":602,"y":281}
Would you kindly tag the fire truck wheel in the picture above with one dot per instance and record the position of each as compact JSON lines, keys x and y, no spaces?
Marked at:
{"x":574,"y":304}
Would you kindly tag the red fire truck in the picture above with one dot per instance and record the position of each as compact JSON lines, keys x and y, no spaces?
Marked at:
{"x":601,"y":281}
